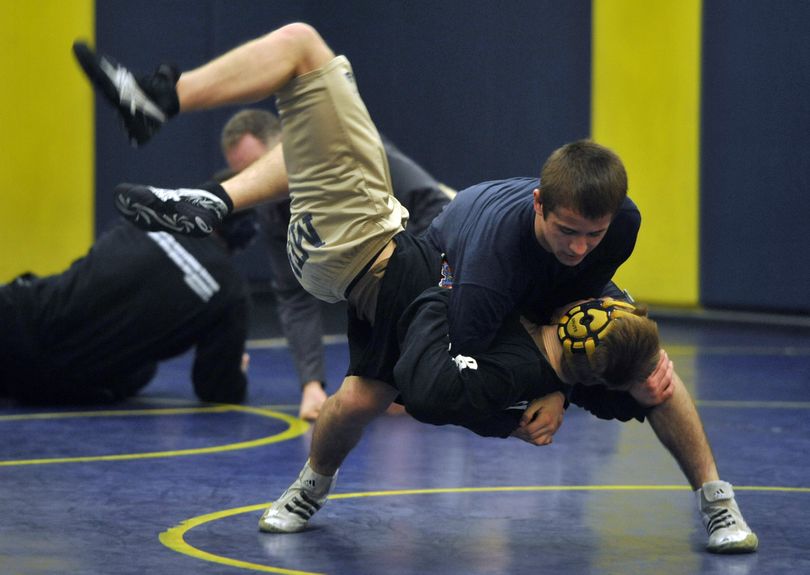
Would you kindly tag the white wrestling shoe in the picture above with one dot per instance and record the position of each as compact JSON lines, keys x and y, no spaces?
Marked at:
{"x":728,"y":531}
{"x":292,"y":511}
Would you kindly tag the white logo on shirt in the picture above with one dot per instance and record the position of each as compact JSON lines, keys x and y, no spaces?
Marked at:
{"x":464,"y":362}
{"x":519,"y":406}
{"x":194,"y":274}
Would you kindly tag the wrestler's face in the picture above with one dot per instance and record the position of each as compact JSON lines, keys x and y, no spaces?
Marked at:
{"x":567,"y":234}
{"x":246,"y":151}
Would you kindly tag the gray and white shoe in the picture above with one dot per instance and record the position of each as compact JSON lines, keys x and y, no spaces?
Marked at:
{"x":728,"y":531}
{"x":292,"y":511}
{"x":144,"y":104}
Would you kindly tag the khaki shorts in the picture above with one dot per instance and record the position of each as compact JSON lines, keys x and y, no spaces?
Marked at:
{"x":343,"y":212}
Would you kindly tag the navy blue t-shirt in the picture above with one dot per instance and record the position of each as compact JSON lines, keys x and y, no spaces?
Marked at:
{"x":500,"y":269}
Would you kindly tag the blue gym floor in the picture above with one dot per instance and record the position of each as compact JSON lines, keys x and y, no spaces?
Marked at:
{"x":167,"y":485}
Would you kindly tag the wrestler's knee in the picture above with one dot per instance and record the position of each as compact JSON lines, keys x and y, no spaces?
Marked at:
{"x":311,"y":50}
{"x":361,"y":399}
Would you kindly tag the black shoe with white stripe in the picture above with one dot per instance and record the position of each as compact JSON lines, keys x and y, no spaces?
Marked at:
{"x":292,"y":511}
{"x":193,"y":212}
{"x":144,"y":104}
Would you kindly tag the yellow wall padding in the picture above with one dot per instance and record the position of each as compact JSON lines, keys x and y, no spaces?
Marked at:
{"x":646,"y":106}
{"x":46,"y":140}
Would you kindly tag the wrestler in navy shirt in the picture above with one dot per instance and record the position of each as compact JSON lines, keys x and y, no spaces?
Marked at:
{"x":499,"y":267}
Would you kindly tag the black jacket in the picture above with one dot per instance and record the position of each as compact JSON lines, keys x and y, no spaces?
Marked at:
{"x":136,"y":298}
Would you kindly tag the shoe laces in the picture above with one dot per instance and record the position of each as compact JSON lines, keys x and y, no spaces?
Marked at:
{"x":303,"y":505}
{"x":719,"y":518}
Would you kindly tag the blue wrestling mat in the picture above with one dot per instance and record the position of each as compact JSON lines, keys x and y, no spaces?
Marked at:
{"x":164,"y":484}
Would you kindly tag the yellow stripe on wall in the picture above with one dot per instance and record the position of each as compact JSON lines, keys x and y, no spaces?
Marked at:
{"x":46,"y":140}
{"x":645,"y":100}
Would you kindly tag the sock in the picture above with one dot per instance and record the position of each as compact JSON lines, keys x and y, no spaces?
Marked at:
{"x":219,"y":192}
{"x":160,"y":86}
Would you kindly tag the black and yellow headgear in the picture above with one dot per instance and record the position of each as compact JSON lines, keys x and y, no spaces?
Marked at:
{"x":584,"y":326}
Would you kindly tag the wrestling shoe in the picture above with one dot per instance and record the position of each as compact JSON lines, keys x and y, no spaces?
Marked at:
{"x":296,"y":506}
{"x":193,"y":212}
{"x":728,"y":532}
{"x":144,"y":104}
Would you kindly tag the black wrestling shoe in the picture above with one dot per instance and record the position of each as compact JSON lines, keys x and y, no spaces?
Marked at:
{"x":193,"y":212}
{"x":145,"y":104}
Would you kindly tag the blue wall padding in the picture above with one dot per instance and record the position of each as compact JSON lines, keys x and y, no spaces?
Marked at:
{"x":755,"y":199}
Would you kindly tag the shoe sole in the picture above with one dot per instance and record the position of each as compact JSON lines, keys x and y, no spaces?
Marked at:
{"x":264,"y":528}
{"x":270,"y":528}
{"x":747,"y":545}
{"x":88,"y":60}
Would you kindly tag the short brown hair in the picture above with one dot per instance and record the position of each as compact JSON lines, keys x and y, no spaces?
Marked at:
{"x":628,"y":354}
{"x":262,"y":124}
{"x":585,"y":177}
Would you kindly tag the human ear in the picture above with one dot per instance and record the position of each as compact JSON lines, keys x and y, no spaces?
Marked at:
{"x":537,"y":196}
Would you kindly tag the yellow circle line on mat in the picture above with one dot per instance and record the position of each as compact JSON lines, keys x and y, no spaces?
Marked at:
{"x":295,"y":428}
{"x":753,"y":404}
{"x":174,"y":537}
{"x":115,"y":413}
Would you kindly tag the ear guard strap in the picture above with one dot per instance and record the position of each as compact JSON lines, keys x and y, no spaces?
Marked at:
{"x":582,"y":328}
